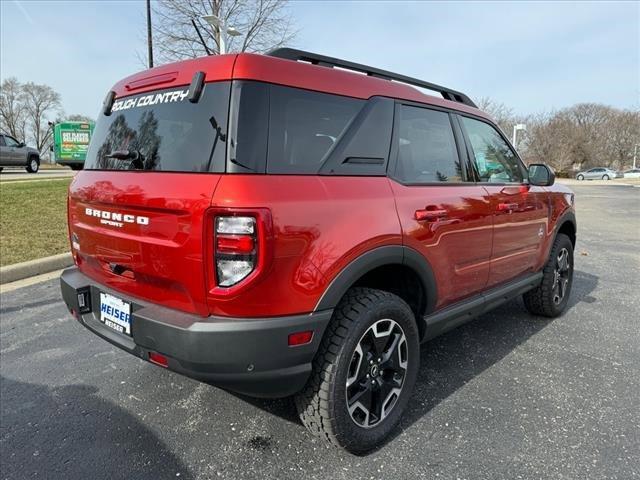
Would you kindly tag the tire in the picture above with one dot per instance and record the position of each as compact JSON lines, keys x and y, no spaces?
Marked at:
{"x":580,"y":177}
{"x":33,"y":165}
{"x":76,"y":167}
{"x":605,"y":177}
{"x":362,"y":315}
{"x":550,"y":298}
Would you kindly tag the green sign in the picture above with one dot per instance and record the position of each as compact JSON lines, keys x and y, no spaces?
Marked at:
{"x":71,"y":140}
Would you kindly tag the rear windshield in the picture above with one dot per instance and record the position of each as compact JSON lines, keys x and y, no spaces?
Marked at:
{"x":303,"y":126}
{"x":163,"y":131}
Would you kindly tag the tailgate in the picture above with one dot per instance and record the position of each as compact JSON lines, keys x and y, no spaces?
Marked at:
{"x":141,"y":232}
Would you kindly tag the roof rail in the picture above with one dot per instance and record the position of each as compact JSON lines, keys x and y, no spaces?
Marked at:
{"x":316,"y":59}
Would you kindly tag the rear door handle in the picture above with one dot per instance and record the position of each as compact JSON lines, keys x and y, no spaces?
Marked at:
{"x":430,"y":214}
{"x":508,"y":207}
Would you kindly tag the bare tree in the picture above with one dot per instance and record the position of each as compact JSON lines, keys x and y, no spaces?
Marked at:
{"x":40,"y":103}
{"x":263,"y":24}
{"x":76,"y":117}
{"x":12,"y":109}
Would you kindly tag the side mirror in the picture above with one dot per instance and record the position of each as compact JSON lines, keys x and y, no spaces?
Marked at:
{"x":541,"y":175}
{"x":21,"y":144}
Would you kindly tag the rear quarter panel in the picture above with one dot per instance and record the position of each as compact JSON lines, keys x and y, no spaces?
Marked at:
{"x":320,"y":225}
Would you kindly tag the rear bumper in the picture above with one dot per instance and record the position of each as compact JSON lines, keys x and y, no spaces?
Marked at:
{"x":248,"y":356}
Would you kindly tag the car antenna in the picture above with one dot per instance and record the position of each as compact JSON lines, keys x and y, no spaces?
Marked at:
{"x":206,"y":49}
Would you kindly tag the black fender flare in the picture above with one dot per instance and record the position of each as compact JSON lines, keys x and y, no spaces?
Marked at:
{"x":568,"y":216}
{"x":378,"y":257}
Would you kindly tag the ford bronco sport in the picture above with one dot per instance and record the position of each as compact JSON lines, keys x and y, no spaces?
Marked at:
{"x":295,"y":224}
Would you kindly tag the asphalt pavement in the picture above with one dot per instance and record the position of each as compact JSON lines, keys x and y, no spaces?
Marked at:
{"x":507,"y":396}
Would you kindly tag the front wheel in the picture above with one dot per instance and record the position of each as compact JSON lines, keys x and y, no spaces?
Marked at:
{"x":550,"y":298}
{"x":33,"y":166}
{"x":364,"y":371}
{"x":605,"y":177}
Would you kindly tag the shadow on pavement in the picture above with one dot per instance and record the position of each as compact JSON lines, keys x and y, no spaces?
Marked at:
{"x":95,"y":438}
{"x":450,"y":361}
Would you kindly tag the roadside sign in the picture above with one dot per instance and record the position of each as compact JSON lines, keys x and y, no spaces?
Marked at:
{"x":71,"y":141}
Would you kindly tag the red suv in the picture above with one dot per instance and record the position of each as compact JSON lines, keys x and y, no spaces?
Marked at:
{"x":297,"y":224}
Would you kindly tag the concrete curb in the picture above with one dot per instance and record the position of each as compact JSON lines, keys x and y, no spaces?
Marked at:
{"x":19,"y":271}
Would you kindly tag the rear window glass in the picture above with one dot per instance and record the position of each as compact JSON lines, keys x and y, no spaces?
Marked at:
{"x":289,"y":129}
{"x":163,"y":131}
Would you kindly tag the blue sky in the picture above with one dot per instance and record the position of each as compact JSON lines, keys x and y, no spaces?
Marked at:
{"x":532,"y":56}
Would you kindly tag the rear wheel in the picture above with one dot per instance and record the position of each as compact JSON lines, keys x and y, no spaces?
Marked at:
{"x":580,"y":177}
{"x":76,"y":167}
{"x":364,"y":371}
{"x":33,"y":165}
{"x":550,"y":298}
{"x":605,"y":177}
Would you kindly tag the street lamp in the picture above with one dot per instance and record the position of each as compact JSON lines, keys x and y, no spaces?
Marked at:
{"x":218,"y":23}
{"x":516,"y":127}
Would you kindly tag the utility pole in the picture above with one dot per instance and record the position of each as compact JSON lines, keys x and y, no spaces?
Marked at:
{"x":635,"y":154}
{"x":149,"y":37}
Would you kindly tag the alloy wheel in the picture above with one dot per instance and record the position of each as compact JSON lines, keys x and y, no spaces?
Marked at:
{"x":561,"y":276}
{"x":377,"y":371}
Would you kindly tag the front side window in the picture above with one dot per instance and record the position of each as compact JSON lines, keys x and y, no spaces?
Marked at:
{"x":10,"y":141}
{"x":426,"y":147}
{"x":494,"y":160}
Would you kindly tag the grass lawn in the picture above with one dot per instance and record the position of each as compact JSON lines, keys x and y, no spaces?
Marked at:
{"x":33,"y":219}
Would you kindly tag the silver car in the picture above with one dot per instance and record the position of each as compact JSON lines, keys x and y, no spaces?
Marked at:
{"x":17,"y":154}
{"x":598,"y":173}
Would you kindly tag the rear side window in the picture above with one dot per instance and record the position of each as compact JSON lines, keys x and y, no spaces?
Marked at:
{"x":284,"y":130}
{"x":163,"y":131}
{"x":303,"y":126}
{"x":427,"y":149}
{"x":2,"y":144}
{"x":494,"y":160}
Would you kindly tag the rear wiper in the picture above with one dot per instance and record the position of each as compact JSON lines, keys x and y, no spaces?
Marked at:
{"x":135,"y":157}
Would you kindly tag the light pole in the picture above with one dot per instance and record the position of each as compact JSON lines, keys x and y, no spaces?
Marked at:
{"x":218,"y":23}
{"x":635,"y":154}
{"x":149,"y":37}
{"x":516,"y":127}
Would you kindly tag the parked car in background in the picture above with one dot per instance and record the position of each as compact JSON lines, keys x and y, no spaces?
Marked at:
{"x":16,"y":154}
{"x":632,"y":173}
{"x":598,"y":173}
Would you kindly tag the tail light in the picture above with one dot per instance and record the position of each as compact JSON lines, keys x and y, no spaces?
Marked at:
{"x":235,"y":249}
{"x":240,"y":247}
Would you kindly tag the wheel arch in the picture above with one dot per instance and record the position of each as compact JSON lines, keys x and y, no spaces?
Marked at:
{"x":395,"y":268}
{"x":567,"y":225}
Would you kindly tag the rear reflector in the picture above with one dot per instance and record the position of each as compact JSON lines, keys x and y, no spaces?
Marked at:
{"x":158,"y":359}
{"x":300,"y":338}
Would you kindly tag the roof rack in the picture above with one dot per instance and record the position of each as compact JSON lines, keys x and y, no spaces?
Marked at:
{"x":322,"y":60}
